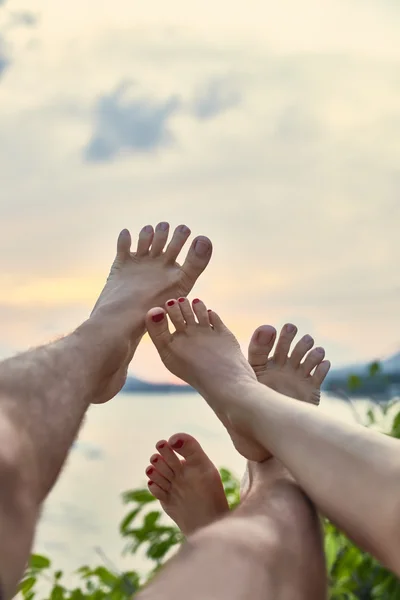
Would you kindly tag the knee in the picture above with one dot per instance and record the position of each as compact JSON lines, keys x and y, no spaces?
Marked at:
{"x":246,"y":537}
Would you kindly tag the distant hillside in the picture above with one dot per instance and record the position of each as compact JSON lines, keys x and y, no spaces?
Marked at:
{"x":138,"y":386}
{"x":383,"y":381}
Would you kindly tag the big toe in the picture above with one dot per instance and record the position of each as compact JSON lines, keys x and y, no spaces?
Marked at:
{"x":157,"y":326}
{"x":196,"y":261}
{"x":188,"y":447}
{"x":261,"y":344}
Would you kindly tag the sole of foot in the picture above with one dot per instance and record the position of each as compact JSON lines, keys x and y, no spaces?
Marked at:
{"x":189,"y":488}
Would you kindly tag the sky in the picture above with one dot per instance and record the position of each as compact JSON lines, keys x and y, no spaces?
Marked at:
{"x":273,"y":128}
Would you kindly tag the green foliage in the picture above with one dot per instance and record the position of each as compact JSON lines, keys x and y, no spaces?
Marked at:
{"x":353,"y":574}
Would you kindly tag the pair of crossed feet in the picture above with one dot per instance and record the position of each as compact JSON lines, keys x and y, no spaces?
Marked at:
{"x":189,"y":488}
{"x":202,"y":352}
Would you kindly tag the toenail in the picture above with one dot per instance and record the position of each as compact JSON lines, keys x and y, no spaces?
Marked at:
{"x":196,"y":301}
{"x":290,"y":328}
{"x":170,"y":302}
{"x":308,"y":339}
{"x":150,"y":483}
{"x":181,"y":299}
{"x":178,"y":444}
{"x":320,"y":350}
{"x":264,"y":337}
{"x":183,"y":229}
{"x":163,"y":226}
{"x":209,"y":310}
{"x":155,"y":459}
{"x":150,"y":471}
{"x":148,"y":229}
{"x":202,"y":247}
{"x":158,"y":318}
{"x":161,"y":445}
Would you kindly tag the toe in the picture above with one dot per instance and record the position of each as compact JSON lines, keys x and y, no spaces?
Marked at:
{"x":155,"y":476}
{"x":124,"y":244}
{"x":169,"y":456}
{"x":300,"y":350}
{"x":261,"y":344}
{"x":187,"y":311}
{"x":188,"y":447}
{"x":196,"y":261}
{"x":313,"y":358}
{"x":161,"y":466}
{"x":175,"y":314}
{"x":216,"y":321}
{"x":160,"y":239}
{"x":157,"y":492}
{"x":179,"y":238}
{"x":145,"y":239}
{"x":200,"y":310}
{"x":286,"y":337}
{"x":321,"y":372}
{"x":157,"y":326}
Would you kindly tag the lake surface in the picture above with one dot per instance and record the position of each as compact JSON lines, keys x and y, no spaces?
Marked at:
{"x":84,"y":509}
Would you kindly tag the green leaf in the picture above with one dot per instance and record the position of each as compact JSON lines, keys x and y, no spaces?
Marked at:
{"x":353,"y":382}
{"x":127,"y":521}
{"x":160,"y":549}
{"x":27,"y":584}
{"x":106,"y":576}
{"x":374,"y":368}
{"x":141,"y":496}
{"x":395,"y":432}
{"x":151,"y":519}
{"x":84,"y":571}
{"x":371,"y":417}
{"x":38,"y":562}
{"x":332,"y":547}
{"x":57,"y":593}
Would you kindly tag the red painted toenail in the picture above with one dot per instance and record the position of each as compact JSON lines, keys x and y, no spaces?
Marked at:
{"x":150,"y":483}
{"x":181,"y":300}
{"x":158,"y":318}
{"x":209,"y":310}
{"x":171,"y":303}
{"x":155,"y":459}
{"x":149,"y":471}
{"x":196,"y":301}
{"x":161,"y":445}
{"x":178,"y":444}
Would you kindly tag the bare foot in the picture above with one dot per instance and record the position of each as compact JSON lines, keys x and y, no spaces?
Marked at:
{"x":190,"y":490}
{"x":289,"y":375}
{"x":207,"y":355}
{"x":139,"y":280}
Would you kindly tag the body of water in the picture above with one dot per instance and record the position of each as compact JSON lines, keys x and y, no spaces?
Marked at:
{"x":84,"y":510}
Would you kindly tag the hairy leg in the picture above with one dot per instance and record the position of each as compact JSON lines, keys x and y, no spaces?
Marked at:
{"x":44,"y":393}
{"x":270,"y":548}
